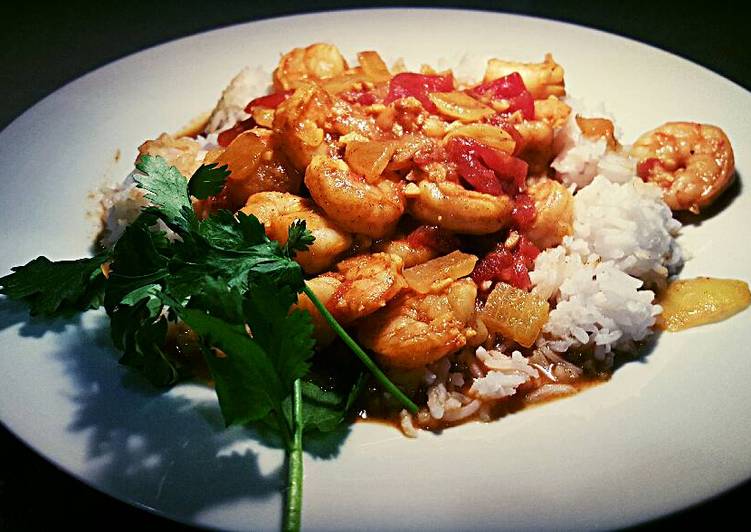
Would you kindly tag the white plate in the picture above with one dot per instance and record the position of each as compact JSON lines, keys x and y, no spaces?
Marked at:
{"x":663,"y":434}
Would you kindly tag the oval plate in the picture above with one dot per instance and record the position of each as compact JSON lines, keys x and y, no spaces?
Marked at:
{"x":647,"y":443}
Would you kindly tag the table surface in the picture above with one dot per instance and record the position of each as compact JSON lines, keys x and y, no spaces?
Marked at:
{"x":45,"y":47}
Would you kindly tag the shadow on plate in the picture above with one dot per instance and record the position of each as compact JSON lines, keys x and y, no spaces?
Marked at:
{"x":167,"y":451}
{"x":14,"y":313}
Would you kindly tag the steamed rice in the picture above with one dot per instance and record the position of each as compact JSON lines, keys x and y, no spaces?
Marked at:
{"x":248,"y":84}
{"x":623,"y":234}
{"x":580,"y":159}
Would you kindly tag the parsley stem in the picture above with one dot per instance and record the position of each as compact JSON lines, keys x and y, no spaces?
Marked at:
{"x":362,"y":355}
{"x":293,"y":510}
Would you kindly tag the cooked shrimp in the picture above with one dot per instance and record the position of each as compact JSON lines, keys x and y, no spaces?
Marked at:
{"x":554,"y":213}
{"x":180,"y":152}
{"x":417,"y":329}
{"x":350,"y":201}
{"x":277,"y":211}
{"x":323,"y":286}
{"x":410,"y":254}
{"x":315,"y":62}
{"x":454,"y":208}
{"x":368,"y":283}
{"x":362,"y":285}
{"x":693,"y":163}
{"x":299,"y":123}
{"x":541,"y":79}
{"x":537,"y":149}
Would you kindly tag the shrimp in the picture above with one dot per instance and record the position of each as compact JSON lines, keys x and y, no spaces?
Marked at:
{"x":324,"y":287}
{"x":554,"y":213}
{"x":368,"y":282}
{"x":315,"y":62}
{"x":412,"y":255}
{"x":541,"y":79}
{"x":371,"y":209}
{"x":537,"y":146}
{"x":360,"y":286}
{"x":692,"y":163}
{"x":180,"y":152}
{"x":418,"y":329}
{"x":277,"y":211}
{"x":299,"y":123}
{"x":454,"y":208}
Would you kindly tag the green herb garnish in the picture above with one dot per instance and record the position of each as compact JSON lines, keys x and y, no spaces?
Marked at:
{"x":223,"y":277}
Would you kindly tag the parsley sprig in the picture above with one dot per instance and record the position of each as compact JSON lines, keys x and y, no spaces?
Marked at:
{"x":227,"y":281}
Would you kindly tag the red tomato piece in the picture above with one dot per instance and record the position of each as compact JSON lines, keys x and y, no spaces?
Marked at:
{"x":509,"y":88}
{"x":510,"y":267}
{"x":524,"y":211}
{"x":646,"y":167}
{"x":484,"y":168}
{"x":226,"y":137}
{"x":419,"y":86}
{"x":363,"y":97}
{"x":271,"y":101}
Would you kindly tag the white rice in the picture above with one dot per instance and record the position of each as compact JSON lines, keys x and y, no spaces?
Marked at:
{"x":628,"y":224}
{"x":121,"y":205}
{"x":602,"y":307}
{"x":580,"y":159}
{"x":468,"y":70}
{"x":248,"y":84}
{"x":506,"y":374}
{"x":623,"y":234}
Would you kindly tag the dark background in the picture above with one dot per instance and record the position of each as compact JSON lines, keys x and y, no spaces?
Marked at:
{"x":43,"y":47}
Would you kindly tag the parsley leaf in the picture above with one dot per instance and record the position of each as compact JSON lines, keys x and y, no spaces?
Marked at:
{"x":137,"y":262}
{"x":208,"y":180}
{"x":298,"y":239}
{"x":57,"y":288}
{"x":246,"y":381}
{"x":325,"y":410}
{"x":167,"y":189}
{"x":287,"y":336}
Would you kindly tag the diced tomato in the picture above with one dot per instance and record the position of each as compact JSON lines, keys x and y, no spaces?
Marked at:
{"x":226,"y":137}
{"x":509,"y":267}
{"x":492,"y":265}
{"x":487,"y":169}
{"x":362,"y":96}
{"x":270,"y":101}
{"x":419,"y":86}
{"x":509,"y":88}
{"x":524,"y":212}
{"x":528,"y":250}
{"x":473,"y":171}
{"x":433,"y":237}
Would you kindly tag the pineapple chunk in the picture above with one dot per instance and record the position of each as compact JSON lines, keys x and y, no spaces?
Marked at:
{"x":693,"y":302}
{"x":514,"y":313}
